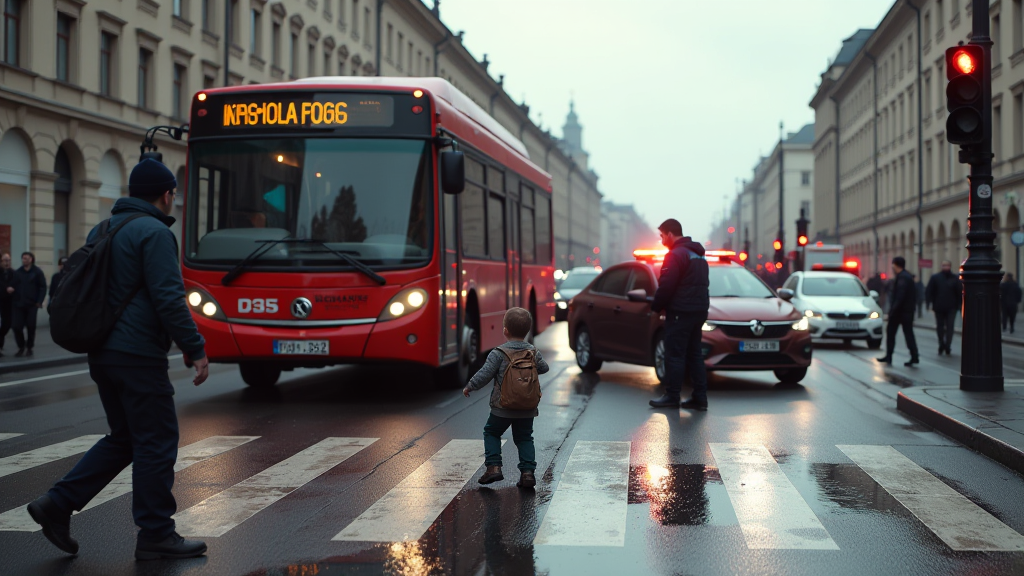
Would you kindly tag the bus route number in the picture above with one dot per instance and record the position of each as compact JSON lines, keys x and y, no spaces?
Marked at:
{"x":257,"y":305}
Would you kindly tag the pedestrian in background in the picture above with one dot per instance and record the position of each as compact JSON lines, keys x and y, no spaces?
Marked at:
{"x":6,"y":297}
{"x":901,"y":312}
{"x":919,"y":293}
{"x":29,"y":294}
{"x":945,"y":296}
{"x":131,"y":373}
{"x":55,"y":279}
{"x":516,"y":326}
{"x":878,"y":285}
{"x":1010,"y":293}
{"x":683,"y":296}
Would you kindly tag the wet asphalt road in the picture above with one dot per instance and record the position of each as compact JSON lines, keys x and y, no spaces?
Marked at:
{"x":682,"y":514}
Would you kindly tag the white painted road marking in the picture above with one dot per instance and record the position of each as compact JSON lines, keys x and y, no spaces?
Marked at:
{"x":46,"y":454}
{"x":8,"y":435}
{"x":41,"y":378}
{"x":408,"y":510}
{"x":218,"y":514}
{"x":589,"y":506}
{"x":18,"y":519}
{"x":957,"y":521}
{"x":771,"y":512}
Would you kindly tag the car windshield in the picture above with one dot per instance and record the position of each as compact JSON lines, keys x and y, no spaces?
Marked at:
{"x":736,"y":282}
{"x":834,"y":286}
{"x":369,"y":199}
{"x":577,"y":280}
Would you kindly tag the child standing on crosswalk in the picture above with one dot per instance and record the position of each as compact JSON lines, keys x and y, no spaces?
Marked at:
{"x":514,"y":367}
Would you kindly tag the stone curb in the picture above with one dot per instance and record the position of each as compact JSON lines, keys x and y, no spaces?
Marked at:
{"x":25,"y":365}
{"x":925,"y":410}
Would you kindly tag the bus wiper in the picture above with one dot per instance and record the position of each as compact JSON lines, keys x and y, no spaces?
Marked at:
{"x":351,"y":261}
{"x":252,"y":257}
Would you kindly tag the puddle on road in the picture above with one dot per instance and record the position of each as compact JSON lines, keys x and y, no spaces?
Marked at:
{"x":849,"y":487}
{"x":681,"y":494}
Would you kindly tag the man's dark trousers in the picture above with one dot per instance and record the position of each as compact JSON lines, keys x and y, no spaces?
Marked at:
{"x":139,"y":403}
{"x":522,"y":436}
{"x":6,"y":310}
{"x":683,"y":352}
{"x":1009,"y":316}
{"x":24,"y":318}
{"x":944,"y":320}
{"x":906,"y":321}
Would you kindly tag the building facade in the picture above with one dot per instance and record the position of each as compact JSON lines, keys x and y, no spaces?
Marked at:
{"x":81,"y":82}
{"x":900,"y":189}
{"x":622,"y":231}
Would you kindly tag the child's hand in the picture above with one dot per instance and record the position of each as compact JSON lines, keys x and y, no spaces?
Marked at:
{"x":465,"y":392}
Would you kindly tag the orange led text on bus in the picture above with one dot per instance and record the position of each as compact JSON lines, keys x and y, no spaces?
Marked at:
{"x":277,"y":113}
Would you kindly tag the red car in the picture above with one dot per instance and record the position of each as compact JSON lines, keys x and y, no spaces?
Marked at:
{"x":749,"y":326}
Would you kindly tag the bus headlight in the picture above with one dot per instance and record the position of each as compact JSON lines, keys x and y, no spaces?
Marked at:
{"x":203,"y":304}
{"x":802,"y":325}
{"x":404,"y":303}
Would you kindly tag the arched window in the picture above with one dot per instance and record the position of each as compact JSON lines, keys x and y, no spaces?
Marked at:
{"x":61,"y":204}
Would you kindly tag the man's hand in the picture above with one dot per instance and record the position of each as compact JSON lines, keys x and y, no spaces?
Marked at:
{"x":10,"y":290}
{"x":202,"y":371}
{"x":465,"y":391}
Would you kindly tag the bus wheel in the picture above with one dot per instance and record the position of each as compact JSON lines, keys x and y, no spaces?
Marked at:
{"x":259,"y":375}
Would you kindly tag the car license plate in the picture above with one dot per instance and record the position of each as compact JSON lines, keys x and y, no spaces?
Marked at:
{"x":760,"y":346}
{"x":310,"y":347}
{"x":847,"y":325}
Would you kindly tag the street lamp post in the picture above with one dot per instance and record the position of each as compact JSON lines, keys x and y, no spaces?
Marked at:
{"x":981,"y":367}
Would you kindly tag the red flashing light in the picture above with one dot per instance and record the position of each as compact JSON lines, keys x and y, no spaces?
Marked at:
{"x":818,"y":266}
{"x":802,"y":240}
{"x":653,"y":255}
{"x":820,"y":244}
{"x":597,"y":250}
{"x":720,"y":253}
{"x":777,"y":244}
{"x":851,"y":264}
{"x":732,"y":229}
{"x":743,"y":256}
{"x":417,"y":109}
{"x":964,"y":62}
{"x":778,"y":265}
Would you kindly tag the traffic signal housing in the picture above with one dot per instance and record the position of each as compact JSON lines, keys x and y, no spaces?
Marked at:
{"x":780,"y":256}
{"x":801,"y":230}
{"x":965,"y":70}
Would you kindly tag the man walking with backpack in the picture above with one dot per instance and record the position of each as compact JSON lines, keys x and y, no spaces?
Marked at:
{"x":513,"y":367}
{"x":130,"y":370}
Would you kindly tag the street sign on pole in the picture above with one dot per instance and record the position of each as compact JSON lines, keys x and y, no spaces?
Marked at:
{"x":924,"y":263}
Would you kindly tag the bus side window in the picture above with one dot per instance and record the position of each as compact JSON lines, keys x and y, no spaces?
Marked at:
{"x":543,"y":229}
{"x":526,"y":227}
{"x":496,"y":227}
{"x":473,"y":233}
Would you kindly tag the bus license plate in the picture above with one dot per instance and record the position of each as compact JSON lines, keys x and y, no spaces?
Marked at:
{"x":847,"y":325}
{"x":309,"y":347}
{"x":760,"y":346}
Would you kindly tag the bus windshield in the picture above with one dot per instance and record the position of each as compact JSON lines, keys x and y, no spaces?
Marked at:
{"x":367,"y":198}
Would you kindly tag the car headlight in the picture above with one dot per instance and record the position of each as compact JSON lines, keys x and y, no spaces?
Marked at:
{"x":562,"y":305}
{"x":812,"y":314}
{"x":802,"y":324}
{"x":874,"y":315}
{"x":708,"y":327}
{"x":204,"y":305}
{"x":558,"y":296}
{"x":404,"y":303}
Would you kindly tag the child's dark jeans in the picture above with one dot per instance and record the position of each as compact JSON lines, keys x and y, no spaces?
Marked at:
{"x":522,"y":435}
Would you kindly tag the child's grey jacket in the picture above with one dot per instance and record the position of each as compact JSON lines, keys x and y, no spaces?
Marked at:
{"x":494,"y":369}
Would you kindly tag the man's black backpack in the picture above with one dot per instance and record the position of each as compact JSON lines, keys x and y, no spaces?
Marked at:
{"x":81,"y":318}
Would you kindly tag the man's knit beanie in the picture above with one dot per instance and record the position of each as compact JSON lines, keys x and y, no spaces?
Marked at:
{"x":150,"y":179}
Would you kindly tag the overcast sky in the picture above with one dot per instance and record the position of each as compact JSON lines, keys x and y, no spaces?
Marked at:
{"x":677,"y":98}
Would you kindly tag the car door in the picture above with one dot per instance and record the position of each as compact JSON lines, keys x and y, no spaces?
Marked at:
{"x":607,"y":296}
{"x":632,"y":320}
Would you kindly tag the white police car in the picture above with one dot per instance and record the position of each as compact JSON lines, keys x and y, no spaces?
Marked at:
{"x":838,"y":306}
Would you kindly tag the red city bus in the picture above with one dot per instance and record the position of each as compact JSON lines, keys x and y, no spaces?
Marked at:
{"x":317,"y":230}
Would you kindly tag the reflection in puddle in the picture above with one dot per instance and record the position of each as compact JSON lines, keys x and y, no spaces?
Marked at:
{"x":848,"y":486}
{"x":681,"y":494}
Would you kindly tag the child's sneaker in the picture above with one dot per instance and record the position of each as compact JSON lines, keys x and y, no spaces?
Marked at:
{"x":492,"y":474}
{"x":526,"y":479}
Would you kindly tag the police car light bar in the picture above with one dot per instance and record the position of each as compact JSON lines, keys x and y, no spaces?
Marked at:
{"x":653,"y":254}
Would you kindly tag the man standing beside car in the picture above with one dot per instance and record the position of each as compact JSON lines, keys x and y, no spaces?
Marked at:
{"x":901,"y":312}
{"x":944,"y":295}
{"x":683,"y":296}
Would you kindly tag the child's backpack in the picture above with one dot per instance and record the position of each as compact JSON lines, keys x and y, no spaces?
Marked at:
{"x":520,"y":386}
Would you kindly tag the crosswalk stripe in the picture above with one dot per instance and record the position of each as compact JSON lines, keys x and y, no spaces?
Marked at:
{"x":408,"y":509}
{"x":221,"y":512}
{"x":17,"y":519}
{"x":589,"y":505}
{"x":9,"y":435}
{"x":957,"y":521}
{"x":771,"y":512}
{"x":46,"y":454}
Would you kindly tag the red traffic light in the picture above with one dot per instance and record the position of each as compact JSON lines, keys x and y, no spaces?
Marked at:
{"x":801,"y":240}
{"x":777,"y":244}
{"x":964,"y":62}
{"x":732,"y":229}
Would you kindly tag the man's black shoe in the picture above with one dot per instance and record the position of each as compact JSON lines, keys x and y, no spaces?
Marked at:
{"x":885,"y":360}
{"x":56,"y":525}
{"x":665,"y":401}
{"x":19,"y":353}
{"x":172,"y":547}
{"x":28,"y":352}
{"x":692,"y":404}
{"x":911,"y":362}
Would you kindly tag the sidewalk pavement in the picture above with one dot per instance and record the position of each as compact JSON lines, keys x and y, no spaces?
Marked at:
{"x":927,"y":322}
{"x":46,"y":354}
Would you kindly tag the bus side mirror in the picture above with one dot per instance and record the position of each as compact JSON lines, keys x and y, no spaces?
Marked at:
{"x":453,"y":172}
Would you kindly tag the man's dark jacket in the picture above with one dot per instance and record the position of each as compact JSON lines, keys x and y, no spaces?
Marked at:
{"x":1010,"y":294}
{"x":904,"y":296}
{"x":944,"y":292}
{"x":29,"y":287}
{"x":55,"y":282}
{"x":683,"y":285}
{"x":6,"y":281}
{"x":145,"y":250}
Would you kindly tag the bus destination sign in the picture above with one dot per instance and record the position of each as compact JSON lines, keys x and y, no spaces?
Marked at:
{"x":327,"y":110}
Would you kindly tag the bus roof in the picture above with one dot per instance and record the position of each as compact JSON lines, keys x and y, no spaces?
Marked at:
{"x":439,"y":87}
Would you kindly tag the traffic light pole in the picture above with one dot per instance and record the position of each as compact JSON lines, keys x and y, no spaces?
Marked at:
{"x":981,"y":367}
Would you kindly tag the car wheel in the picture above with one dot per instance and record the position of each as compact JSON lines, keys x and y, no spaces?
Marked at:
{"x":259,"y":375}
{"x":790,"y":375}
{"x":659,"y":357}
{"x":874,"y":343}
{"x":585,"y":358}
